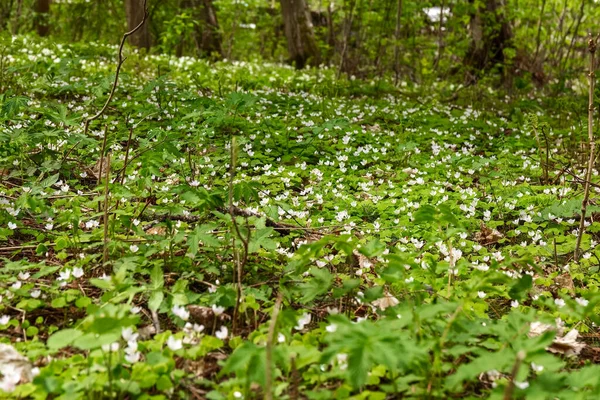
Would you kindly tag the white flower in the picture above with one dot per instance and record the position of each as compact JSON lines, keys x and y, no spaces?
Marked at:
{"x":281,"y":338}
{"x":35,"y":293}
{"x":218,"y":310}
{"x":64,"y":275}
{"x":331,"y":328}
{"x":237,"y":395}
{"x":481,"y":294}
{"x":133,"y":248}
{"x":136,"y":222}
{"x":537,"y":368}
{"x":16,"y":285}
{"x":181,"y":312}
{"x":12,"y":226}
{"x":582,"y":302}
{"x":560,"y":303}
{"x":174,"y":344}
{"x":304,"y":320}
{"x":135,"y":309}
{"x":10,"y":381}
{"x":514,"y":303}
{"x":128,"y":335}
{"x":222,"y":333}
{"x":522,"y":385}
{"x":132,"y":357}
{"x":77,"y":272}
{"x":4,"y":319}
{"x":24,"y":276}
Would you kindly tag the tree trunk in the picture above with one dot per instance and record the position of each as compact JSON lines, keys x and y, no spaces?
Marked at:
{"x":397,"y":42}
{"x":298,"y":28}
{"x":5,"y":14}
{"x":491,"y":34}
{"x":40,"y":20}
{"x":207,"y":36}
{"x":134,"y":11}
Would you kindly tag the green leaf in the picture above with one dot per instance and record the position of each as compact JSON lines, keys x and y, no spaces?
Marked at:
{"x":155,"y":300}
{"x":63,"y":338}
{"x":520,"y":289}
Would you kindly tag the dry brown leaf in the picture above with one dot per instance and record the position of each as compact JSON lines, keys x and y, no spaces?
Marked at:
{"x":567,"y":344}
{"x":386,"y":301}
{"x":487,"y":235}
{"x":157,"y":230}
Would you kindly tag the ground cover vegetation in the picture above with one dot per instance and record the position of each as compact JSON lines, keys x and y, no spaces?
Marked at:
{"x":207,"y":211}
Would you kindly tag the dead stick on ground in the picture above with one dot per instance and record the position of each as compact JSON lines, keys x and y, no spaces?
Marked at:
{"x":588,"y":175}
{"x":269,"y":349}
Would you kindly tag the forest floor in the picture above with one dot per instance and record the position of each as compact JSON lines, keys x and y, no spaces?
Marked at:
{"x":252,"y":229}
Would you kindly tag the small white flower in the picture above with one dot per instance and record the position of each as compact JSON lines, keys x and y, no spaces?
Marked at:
{"x":537,"y":368}
{"x":135,"y":309}
{"x":128,"y":335}
{"x":514,"y":303}
{"x":77,"y":272}
{"x":133,"y":248}
{"x":136,"y":222}
{"x":304,"y":320}
{"x":35,"y":293}
{"x":281,"y":338}
{"x":560,"y":303}
{"x":12,"y":226}
{"x":222,"y":333}
{"x":24,"y":276}
{"x":481,"y":294}
{"x":218,"y":310}
{"x":181,"y":312}
{"x":174,"y":344}
{"x":64,"y":275}
{"x":522,"y":385}
{"x":4,"y":319}
{"x":237,"y":395}
{"x":133,"y":357}
{"x":331,"y":328}
{"x":17,"y":285}
{"x":582,"y":302}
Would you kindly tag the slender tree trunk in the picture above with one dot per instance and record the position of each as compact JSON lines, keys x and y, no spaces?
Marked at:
{"x":5,"y":13}
{"x":440,"y":36}
{"x":207,"y":35}
{"x":302,"y":47}
{"x":538,"y":41}
{"x":134,"y":11}
{"x":17,"y":22}
{"x":397,"y":44}
{"x":40,"y":21}
{"x":211,"y":35}
{"x":349,"y":20}
{"x":573,"y":38}
{"x":491,"y":34}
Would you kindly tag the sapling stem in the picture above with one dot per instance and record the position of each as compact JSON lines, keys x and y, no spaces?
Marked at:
{"x":588,"y":176}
